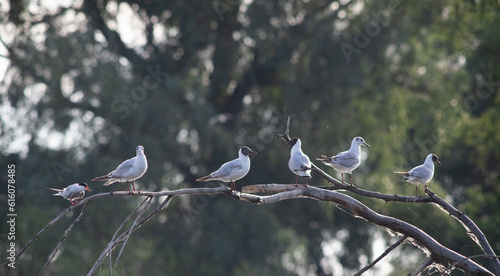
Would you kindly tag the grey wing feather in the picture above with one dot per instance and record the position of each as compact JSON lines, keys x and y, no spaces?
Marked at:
{"x":122,"y":169}
{"x":419,"y":171}
{"x":226,"y":169}
{"x":347,"y":159}
{"x":300,"y":162}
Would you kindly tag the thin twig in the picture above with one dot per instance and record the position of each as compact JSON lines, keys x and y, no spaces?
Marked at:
{"x":429,"y":261}
{"x":123,"y":235}
{"x":387,"y":251}
{"x":130,"y":231}
{"x":119,"y":228}
{"x":66,"y":233}
{"x":52,"y":222}
{"x":286,"y":136}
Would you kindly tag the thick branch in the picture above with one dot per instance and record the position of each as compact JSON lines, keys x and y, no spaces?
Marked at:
{"x":450,"y":267}
{"x":472,"y":229}
{"x":441,"y":253}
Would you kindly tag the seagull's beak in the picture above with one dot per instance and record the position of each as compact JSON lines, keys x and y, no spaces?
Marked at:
{"x":88,"y":189}
{"x":439,"y":163}
{"x":253,"y":152}
{"x":288,"y":143}
{"x":364,"y":143}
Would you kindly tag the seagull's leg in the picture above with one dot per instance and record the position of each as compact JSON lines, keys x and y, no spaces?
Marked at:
{"x":128,"y":187}
{"x":296,"y":179}
{"x":342,"y":177}
{"x":351,"y":178}
{"x":133,"y":186}
{"x":416,"y":189}
{"x":233,"y":186}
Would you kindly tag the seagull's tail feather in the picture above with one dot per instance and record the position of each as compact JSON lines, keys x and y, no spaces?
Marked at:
{"x":101,"y":178}
{"x":57,"y":190}
{"x":205,"y":178}
{"x":305,"y":173}
{"x":324,"y":158}
{"x":110,"y":181}
{"x":405,"y":175}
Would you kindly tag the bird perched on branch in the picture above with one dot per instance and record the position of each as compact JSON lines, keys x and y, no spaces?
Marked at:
{"x":232,"y":170}
{"x":299,"y":163}
{"x":423,"y":173}
{"x":73,"y":192}
{"x":346,"y":161}
{"x":129,"y":170}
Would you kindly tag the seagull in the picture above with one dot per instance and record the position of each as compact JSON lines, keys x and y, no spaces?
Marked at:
{"x":346,"y":161}
{"x":299,"y":163}
{"x":129,"y":170}
{"x":423,"y":173}
{"x":232,"y":170}
{"x":73,"y":192}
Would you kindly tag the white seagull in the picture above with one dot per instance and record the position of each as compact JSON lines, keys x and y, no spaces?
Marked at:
{"x":346,"y":161}
{"x":129,"y":170}
{"x":73,"y":192}
{"x":232,"y":170}
{"x":423,"y":173}
{"x":299,"y":163}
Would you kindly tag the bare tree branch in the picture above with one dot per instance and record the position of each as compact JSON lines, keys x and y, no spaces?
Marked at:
{"x":130,"y":230}
{"x":120,"y":227}
{"x":283,"y":192}
{"x":450,"y":267}
{"x":122,"y":237}
{"x":429,"y":261}
{"x":472,"y":229}
{"x":52,"y":222}
{"x":191,"y":191}
{"x":286,"y":136}
{"x":440,"y":252}
{"x":64,"y":237}
{"x":387,"y":251}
